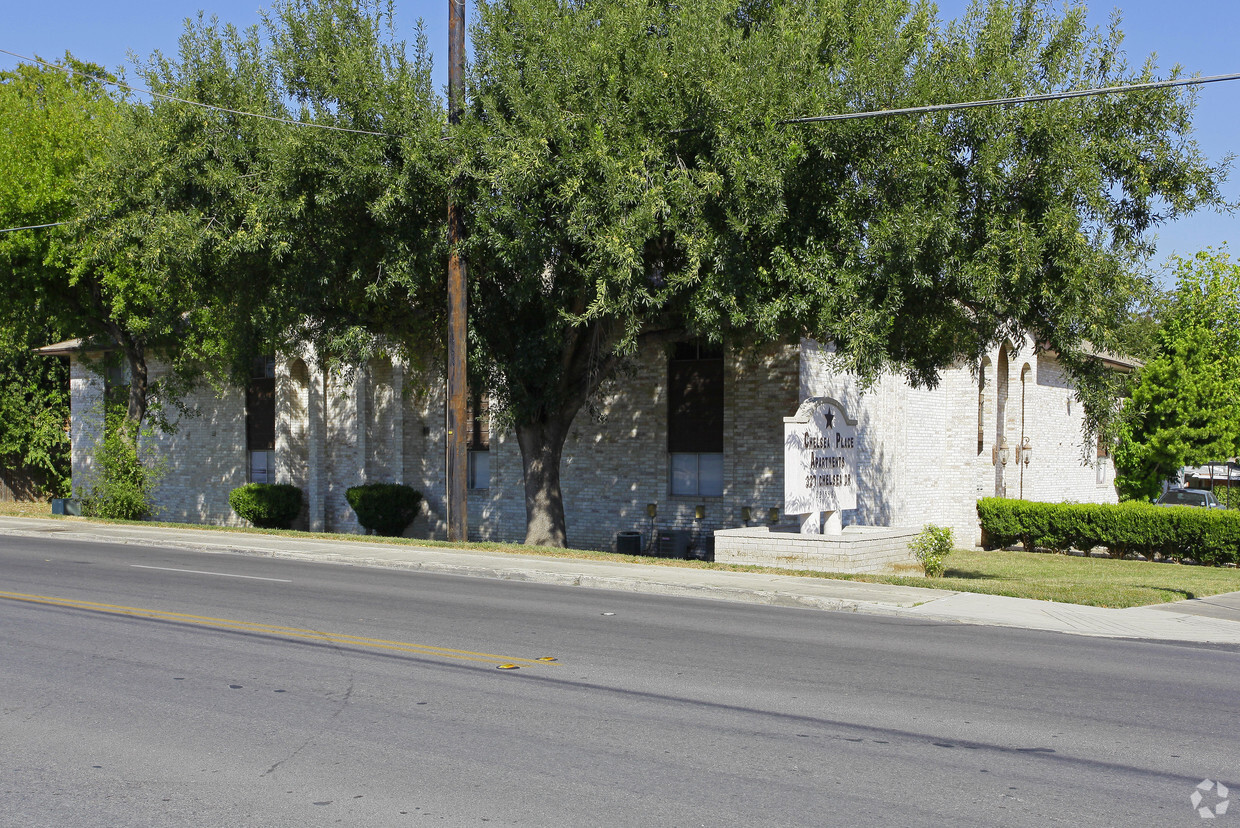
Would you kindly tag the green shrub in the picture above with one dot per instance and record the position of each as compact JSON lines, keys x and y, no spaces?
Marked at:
{"x":267,"y":505}
{"x":1000,"y":527}
{"x":384,"y":508}
{"x":1039,"y":530}
{"x":122,"y":486}
{"x":931,"y":548}
{"x":1208,"y":536}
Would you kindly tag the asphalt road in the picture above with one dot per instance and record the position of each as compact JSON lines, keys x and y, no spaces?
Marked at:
{"x":149,"y":687}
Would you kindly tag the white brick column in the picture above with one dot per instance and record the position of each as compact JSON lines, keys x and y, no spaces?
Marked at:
{"x":86,"y":421}
{"x":396,"y":450}
{"x":316,"y":451}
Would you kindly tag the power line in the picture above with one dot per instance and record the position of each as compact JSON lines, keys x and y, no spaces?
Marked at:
{"x":71,"y":71}
{"x":32,"y":227}
{"x":1049,"y":96}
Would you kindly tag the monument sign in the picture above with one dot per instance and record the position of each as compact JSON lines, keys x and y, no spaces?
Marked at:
{"x":820,"y":464}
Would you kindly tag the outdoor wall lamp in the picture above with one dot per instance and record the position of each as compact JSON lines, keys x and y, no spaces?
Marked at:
{"x":1026,"y":451}
{"x":1002,"y":451}
{"x":772,"y":515}
{"x":699,"y":512}
{"x":652,"y":509}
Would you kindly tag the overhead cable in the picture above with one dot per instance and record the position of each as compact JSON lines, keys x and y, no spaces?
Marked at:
{"x":102,"y":79}
{"x":32,"y":227}
{"x":811,"y":119}
{"x":1049,"y":96}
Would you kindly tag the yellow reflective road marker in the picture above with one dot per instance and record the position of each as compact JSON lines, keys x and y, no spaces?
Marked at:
{"x":506,"y":662}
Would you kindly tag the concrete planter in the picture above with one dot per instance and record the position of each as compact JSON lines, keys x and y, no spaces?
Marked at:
{"x":875,"y":549}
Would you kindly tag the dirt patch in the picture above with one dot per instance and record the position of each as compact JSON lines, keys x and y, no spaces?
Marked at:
{"x":25,"y":508}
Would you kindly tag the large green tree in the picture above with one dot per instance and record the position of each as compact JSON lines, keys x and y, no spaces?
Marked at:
{"x":173,"y":245}
{"x":358,"y":199}
{"x":320,"y":220}
{"x":52,"y":122}
{"x":1185,"y":406}
{"x":160,"y":247}
{"x":630,"y":174}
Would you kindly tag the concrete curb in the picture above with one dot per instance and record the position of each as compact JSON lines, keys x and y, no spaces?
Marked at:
{"x":924,"y":604}
{"x":617,"y":583}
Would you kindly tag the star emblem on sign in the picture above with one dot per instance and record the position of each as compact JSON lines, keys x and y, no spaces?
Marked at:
{"x":830,"y":418}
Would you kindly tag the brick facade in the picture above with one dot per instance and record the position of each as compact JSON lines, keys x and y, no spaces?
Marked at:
{"x":918,"y":459}
{"x":203,"y":457}
{"x":921,"y":446}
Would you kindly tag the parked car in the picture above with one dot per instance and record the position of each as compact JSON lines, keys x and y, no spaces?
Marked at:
{"x":1189,"y":497}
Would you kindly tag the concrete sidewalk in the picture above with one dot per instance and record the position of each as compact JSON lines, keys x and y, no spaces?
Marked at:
{"x":1213,"y":620}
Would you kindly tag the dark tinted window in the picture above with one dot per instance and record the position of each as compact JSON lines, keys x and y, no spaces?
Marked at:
{"x":260,"y":406}
{"x":478,"y":423}
{"x":695,"y":400}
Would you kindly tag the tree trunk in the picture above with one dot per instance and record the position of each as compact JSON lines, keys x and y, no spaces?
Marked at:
{"x":542,"y":445}
{"x":135,"y":410}
{"x":588,"y":359}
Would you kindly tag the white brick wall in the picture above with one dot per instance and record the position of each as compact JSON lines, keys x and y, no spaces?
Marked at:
{"x":204,"y":457}
{"x":918,"y":457}
{"x":86,"y":421}
{"x":616,"y":461}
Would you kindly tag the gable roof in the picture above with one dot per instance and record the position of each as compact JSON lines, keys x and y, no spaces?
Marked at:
{"x":74,"y":346}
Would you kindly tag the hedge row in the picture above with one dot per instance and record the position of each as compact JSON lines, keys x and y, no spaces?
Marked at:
{"x":1208,"y":536}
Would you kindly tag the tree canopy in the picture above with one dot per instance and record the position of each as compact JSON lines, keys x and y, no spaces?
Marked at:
{"x":51,"y":123}
{"x":1185,"y":405}
{"x":157,"y":247}
{"x":172,"y":239}
{"x":631,"y":173}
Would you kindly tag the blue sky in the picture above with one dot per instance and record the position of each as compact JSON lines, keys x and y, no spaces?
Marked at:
{"x":1200,"y":35}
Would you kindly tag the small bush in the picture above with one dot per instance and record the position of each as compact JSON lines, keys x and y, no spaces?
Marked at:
{"x":384,"y":508}
{"x":267,"y":505}
{"x":931,"y":548}
{"x":122,"y":487}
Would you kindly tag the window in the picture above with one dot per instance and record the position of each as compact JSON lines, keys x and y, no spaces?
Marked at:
{"x":116,"y":385}
{"x":260,"y":420}
{"x":262,"y":467}
{"x":695,"y":420}
{"x":1103,"y":453}
{"x":697,"y":474}
{"x":981,"y":409}
{"x":478,"y":423}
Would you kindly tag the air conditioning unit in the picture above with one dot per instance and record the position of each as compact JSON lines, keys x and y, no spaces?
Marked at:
{"x":674,"y":543}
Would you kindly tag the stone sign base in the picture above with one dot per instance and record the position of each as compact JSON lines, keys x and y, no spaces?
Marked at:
{"x":875,"y":549}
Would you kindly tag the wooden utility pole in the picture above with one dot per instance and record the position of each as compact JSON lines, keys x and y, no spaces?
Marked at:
{"x":457,"y":459}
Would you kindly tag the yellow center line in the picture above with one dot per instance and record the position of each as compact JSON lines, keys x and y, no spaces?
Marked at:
{"x":271,"y":629}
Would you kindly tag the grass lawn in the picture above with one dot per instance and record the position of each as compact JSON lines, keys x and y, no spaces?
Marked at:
{"x":1100,"y":582}
{"x":36,"y":508}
